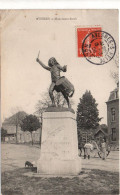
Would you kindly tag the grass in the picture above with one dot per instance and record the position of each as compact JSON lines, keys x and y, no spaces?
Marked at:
{"x":94,"y":182}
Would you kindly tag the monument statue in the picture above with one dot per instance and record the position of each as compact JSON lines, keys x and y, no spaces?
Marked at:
{"x":60,"y":84}
{"x":59,"y":144}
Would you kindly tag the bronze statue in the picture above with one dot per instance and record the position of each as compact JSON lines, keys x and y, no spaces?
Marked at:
{"x":60,"y":84}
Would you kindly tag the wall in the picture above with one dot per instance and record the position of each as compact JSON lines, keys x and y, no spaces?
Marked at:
{"x":113,"y":124}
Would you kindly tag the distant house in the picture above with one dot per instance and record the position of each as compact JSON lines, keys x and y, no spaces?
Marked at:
{"x":22,"y":137}
{"x":100,"y":134}
{"x":11,"y":132}
{"x":113,"y":116}
{"x":97,"y":134}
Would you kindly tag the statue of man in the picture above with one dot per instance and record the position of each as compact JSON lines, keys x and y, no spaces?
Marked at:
{"x":55,"y":69}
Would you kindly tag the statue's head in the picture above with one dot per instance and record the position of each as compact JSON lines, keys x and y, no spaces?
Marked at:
{"x":52,"y":61}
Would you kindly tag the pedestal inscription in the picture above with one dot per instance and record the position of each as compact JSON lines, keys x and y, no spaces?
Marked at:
{"x":59,"y":149}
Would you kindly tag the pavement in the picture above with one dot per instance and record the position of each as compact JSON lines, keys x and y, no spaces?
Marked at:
{"x":110,"y":164}
{"x":14,"y":156}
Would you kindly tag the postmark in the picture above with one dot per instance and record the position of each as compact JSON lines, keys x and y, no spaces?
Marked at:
{"x":99,"y":47}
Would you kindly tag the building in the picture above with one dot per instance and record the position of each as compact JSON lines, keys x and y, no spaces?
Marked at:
{"x":100,"y":134}
{"x":113,"y":116}
{"x":22,"y":137}
{"x":11,"y":132}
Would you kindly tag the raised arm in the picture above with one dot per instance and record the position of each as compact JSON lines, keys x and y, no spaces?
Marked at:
{"x":64,"y":68}
{"x":43,"y":65}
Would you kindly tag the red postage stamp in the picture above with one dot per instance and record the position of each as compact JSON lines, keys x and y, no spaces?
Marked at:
{"x":91,"y":48}
{"x":97,"y":46}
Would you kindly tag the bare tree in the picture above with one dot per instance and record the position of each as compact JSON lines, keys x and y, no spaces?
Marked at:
{"x":115,"y":71}
{"x":45,"y":102}
{"x":39,"y":114}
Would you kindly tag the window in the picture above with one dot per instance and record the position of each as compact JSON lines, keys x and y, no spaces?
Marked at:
{"x":113,"y":114}
{"x":116,"y":94}
{"x":113,"y":134}
{"x":20,"y":137}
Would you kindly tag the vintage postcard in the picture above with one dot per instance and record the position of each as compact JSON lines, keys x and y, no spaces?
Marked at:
{"x":60,"y":102}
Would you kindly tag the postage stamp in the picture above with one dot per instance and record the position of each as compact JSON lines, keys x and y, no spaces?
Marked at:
{"x":98,"y":47}
{"x":81,"y":34}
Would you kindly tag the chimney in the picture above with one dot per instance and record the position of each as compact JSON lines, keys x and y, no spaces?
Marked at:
{"x":118,"y":84}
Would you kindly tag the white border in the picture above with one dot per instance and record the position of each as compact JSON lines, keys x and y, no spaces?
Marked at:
{"x":64,"y":4}
{"x":59,"y":4}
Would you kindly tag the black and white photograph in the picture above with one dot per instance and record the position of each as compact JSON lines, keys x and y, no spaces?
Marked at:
{"x":59,"y":101}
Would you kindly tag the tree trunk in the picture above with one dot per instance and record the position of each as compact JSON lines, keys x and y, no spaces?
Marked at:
{"x":32,"y":138}
{"x":86,"y":136}
{"x":40,"y":135}
{"x":41,"y":130}
{"x":16,"y":134}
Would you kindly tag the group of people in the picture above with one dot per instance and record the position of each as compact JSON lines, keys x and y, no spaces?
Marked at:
{"x":89,"y":146}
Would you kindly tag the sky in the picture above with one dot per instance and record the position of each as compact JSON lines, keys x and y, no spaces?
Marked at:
{"x":24,"y":80}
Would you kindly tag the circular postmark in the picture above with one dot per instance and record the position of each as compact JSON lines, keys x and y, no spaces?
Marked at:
{"x":99,"y":47}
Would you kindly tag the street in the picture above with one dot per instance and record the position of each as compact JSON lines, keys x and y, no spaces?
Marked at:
{"x":14,"y":156}
{"x":97,"y":176}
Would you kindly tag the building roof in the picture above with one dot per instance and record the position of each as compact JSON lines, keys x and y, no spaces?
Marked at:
{"x":114,"y":95}
{"x":101,"y":131}
{"x":100,"y":128}
{"x":10,"y":123}
{"x":16,"y":118}
{"x":11,"y":129}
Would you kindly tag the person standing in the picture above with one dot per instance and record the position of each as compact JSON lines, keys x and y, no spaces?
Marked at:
{"x":81,"y":148}
{"x":88,"y":147}
{"x":103,"y":147}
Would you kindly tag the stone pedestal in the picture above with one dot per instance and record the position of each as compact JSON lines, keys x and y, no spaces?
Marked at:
{"x":59,"y":149}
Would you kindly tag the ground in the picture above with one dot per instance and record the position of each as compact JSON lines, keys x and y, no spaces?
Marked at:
{"x":97,"y":176}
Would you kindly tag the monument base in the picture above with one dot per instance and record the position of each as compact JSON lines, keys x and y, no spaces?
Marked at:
{"x":59,"y":148}
{"x":59,"y":167}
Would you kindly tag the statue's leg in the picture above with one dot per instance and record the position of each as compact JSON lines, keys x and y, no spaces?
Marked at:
{"x":67,"y":99}
{"x":51,"y":89}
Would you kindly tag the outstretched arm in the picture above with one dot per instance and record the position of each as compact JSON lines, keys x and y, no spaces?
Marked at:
{"x":44,"y":66}
{"x":64,"y":68}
